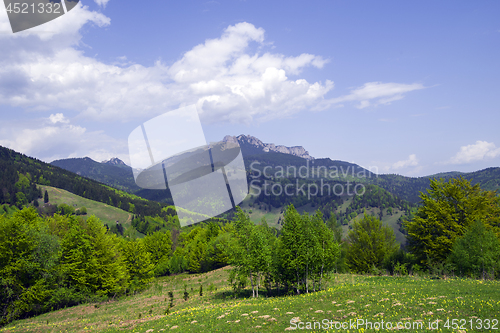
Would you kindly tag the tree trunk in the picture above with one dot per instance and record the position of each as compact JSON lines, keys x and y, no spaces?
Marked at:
{"x":257,"y":285}
{"x":321,"y":276}
{"x":307,"y":284}
{"x":251,"y":282}
{"x":298,"y":283}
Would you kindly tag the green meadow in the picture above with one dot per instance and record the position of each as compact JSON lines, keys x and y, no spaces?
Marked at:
{"x":106,"y":213}
{"x":420,"y":301}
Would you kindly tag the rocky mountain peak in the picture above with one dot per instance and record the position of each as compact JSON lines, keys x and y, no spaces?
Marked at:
{"x":114,"y":161}
{"x":268,"y":147}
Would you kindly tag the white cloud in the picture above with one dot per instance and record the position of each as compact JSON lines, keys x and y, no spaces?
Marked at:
{"x":58,"y":33}
{"x":411,"y":161}
{"x":101,"y":3}
{"x":58,"y":118}
{"x":475,"y":152}
{"x":54,"y":138}
{"x":43,"y":69}
{"x":221,"y":76}
{"x":227,"y":81}
{"x":382,"y":93}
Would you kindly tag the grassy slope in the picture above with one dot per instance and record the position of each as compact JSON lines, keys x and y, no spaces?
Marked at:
{"x":275,"y":213}
{"x":346,"y":297}
{"x":107,"y":214}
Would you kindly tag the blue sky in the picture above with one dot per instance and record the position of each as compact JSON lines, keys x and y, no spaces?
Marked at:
{"x":403,"y":87}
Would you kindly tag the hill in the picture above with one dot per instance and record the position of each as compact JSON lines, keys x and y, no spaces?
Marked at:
{"x":409,"y":188}
{"x":119,"y":176}
{"x":110,"y":216}
{"x":259,"y":156}
{"x":20,"y":175}
{"x":392,"y":198}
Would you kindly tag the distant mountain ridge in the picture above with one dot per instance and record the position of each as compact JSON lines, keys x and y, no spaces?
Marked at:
{"x":253,"y":146}
{"x":116,"y":173}
{"x":112,"y":172}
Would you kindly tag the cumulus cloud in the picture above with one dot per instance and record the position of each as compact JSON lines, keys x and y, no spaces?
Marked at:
{"x":232,"y":78}
{"x":58,"y":118}
{"x":411,"y":161}
{"x":221,"y":76}
{"x":377,"y":93}
{"x":475,"y":152}
{"x":55,"y":137}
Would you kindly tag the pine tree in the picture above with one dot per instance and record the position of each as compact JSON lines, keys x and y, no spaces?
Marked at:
{"x":46,"y":197}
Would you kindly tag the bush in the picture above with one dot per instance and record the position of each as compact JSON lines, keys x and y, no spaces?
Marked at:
{"x":476,"y":253}
{"x":82,"y":211}
{"x":65,"y":209}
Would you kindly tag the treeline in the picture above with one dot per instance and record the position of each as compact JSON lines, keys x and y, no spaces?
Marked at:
{"x":374,"y":197}
{"x":456,"y":231}
{"x":409,"y":188}
{"x":20,"y":174}
{"x":48,"y":263}
{"x":51,"y":262}
{"x":16,"y":189}
{"x":294,"y":262}
{"x":148,"y":224}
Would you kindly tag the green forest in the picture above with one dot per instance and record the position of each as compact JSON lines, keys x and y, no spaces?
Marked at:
{"x":50,"y":262}
{"x":58,"y":256}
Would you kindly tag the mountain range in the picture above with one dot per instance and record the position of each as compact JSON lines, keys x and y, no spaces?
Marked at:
{"x":259,"y":155}
{"x":393,"y":198}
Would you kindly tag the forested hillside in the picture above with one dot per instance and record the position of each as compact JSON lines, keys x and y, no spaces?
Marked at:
{"x":409,"y":188}
{"x":119,"y":177}
{"x":19,"y":175}
{"x":51,"y":262}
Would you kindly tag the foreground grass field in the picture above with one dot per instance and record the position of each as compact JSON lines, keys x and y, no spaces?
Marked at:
{"x":411,"y":300}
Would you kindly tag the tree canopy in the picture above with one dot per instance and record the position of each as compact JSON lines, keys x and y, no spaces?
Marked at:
{"x":448,"y":210}
{"x":370,"y":242}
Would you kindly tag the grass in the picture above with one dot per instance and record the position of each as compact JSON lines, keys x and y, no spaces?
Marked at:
{"x":347,"y":297}
{"x":106,"y":213}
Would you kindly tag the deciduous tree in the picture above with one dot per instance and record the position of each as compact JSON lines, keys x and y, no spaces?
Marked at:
{"x":370,"y":242}
{"x":448,"y":210}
